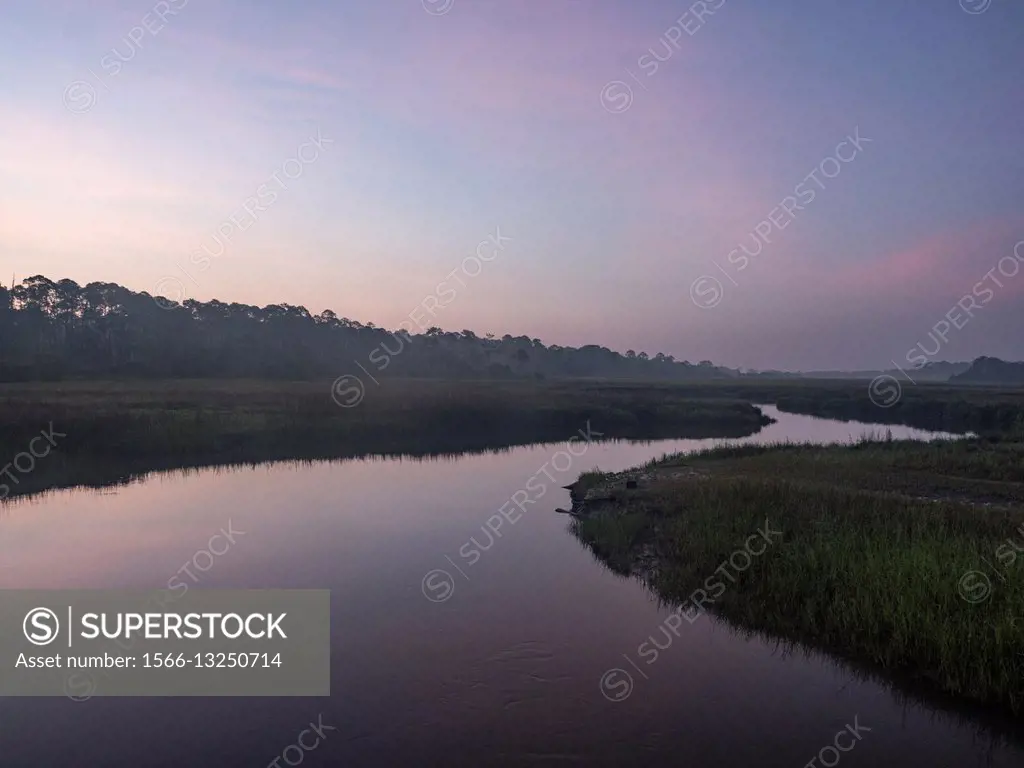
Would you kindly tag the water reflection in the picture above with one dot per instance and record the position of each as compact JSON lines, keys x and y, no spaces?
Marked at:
{"x":504,"y":672}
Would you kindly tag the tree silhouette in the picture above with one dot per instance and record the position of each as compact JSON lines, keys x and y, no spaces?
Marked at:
{"x":55,"y":330}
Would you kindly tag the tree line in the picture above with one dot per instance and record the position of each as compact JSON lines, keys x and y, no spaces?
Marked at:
{"x":58,"y":329}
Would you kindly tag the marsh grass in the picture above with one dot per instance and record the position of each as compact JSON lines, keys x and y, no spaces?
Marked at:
{"x":131,"y":427}
{"x":867,"y":571}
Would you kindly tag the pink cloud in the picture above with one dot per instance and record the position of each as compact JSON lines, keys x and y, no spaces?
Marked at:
{"x":946,"y":264}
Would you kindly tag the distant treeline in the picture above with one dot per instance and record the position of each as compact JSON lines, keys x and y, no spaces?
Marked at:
{"x":59,"y":329}
{"x":992,"y":370}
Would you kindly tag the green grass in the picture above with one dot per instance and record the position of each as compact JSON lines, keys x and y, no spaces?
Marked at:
{"x":873,"y":549}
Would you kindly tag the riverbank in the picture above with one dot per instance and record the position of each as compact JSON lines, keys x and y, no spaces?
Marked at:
{"x":908,"y":557}
{"x":113,"y":431}
{"x":104,"y":432}
{"x":936,"y":406}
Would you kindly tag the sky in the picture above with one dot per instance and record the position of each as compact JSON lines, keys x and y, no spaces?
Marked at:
{"x":802,"y":184}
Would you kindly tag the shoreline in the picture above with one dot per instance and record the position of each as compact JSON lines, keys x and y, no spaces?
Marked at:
{"x":876,"y":574}
{"x":98,"y":434}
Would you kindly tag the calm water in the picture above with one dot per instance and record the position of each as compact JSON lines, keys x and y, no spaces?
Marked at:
{"x":505,"y":671}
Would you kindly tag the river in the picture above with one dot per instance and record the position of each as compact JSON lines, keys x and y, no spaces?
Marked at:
{"x":440,"y":661}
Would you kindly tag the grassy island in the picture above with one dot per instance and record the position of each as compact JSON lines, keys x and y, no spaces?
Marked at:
{"x":908,"y":557}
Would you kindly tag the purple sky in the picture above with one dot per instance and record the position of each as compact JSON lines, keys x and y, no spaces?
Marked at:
{"x":627,"y":150}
